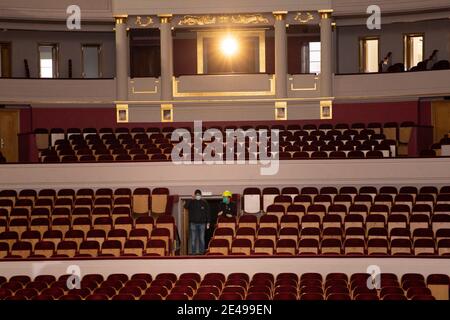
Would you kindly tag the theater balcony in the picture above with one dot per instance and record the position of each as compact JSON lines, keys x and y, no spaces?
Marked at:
{"x":43,"y":91}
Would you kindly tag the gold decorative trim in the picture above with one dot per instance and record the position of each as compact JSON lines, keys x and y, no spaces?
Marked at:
{"x":200,"y":53}
{"x":121,"y":20}
{"x":304,"y":89}
{"x":281,"y":112}
{"x":197,"y":20}
{"x":177,"y":94}
{"x":201,"y":35}
{"x":191,"y":20}
{"x":279,"y":15}
{"x":165,"y":18}
{"x":326,"y":109}
{"x":134,"y":91}
{"x":141,"y":23}
{"x":299,"y":17}
{"x":166,"y":112}
{"x":325,"y":14}
{"x":122,"y":113}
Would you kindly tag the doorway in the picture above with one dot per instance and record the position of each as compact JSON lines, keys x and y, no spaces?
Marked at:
{"x":145,"y":53}
{"x":214,"y":205}
{"x":440,"y":119}
{"x":5,"y":60}
{"x":9,"y":131}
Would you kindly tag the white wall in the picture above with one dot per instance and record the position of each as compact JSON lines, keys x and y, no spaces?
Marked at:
{"x":182,"y":179}
{"x":404,"y":85}
{"x":57,"y":91}
{"x":249,"y":265}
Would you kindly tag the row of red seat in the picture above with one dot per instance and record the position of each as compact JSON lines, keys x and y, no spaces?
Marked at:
{"x":331,"y":246}
{"x":139,"y":144}
{"x":235,"y":286}
{"x":256,"y":200}
{"x":139,"y":200}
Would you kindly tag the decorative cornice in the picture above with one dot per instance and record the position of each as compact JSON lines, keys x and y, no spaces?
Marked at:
{"x":121,"y":19}
{"x":279,"y":15}
{"x":190,"y":20}
{"x":326,"y":13}
{"x":165,"y":18}
{"x":304,"y":17}
{"x":279,"y":12}
{"x":143,"y":21}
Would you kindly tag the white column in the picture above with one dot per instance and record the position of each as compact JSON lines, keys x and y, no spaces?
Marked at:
{"x":280,"y":54}
{"x":121,"y":59}
{"x":326,"y":73}
{"x":166,"y":57}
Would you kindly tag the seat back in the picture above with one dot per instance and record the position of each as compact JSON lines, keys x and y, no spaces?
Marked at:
{"x":159,"y":203}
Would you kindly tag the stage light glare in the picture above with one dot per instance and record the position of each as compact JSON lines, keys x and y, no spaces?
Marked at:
{"x":229,"y":46}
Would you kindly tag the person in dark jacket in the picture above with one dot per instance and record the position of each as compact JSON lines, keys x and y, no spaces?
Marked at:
{"x":227,"y":207}
{"x":199,"y":221}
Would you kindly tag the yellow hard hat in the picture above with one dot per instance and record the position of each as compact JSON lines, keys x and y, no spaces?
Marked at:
{"x":227,"y":194}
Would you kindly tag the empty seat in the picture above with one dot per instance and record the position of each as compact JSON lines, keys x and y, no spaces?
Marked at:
{"x":308,"y":246}
{"x":269,"y":195}
{"x":264,"y":246}
{"x":156,"y":247}
{"x":252,"y":200}
{"x":242,"y":246}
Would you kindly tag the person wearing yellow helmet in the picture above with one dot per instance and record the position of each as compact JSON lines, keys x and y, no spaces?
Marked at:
{"x":227,"y":193}
{"x":227,"y":206}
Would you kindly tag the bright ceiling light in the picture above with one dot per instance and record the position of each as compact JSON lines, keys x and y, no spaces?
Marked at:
{"x":229,"y":46}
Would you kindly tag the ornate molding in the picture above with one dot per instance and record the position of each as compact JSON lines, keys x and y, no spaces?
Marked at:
{"x":304,"y":17}
{"x":326,"y":14}
{"x":143,"y":21}
{"x":165,"y":18}
{"x":279,"y":15}
{"x":177,"y":94}
{"x":313,"y":88}
{"x":121,"y":19}
{"x":197,"y":20}
{"x":135,"y":91}
{"x":190,"y":20}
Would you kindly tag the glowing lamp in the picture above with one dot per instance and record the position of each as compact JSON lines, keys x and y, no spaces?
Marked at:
{"x":229,"y":46}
